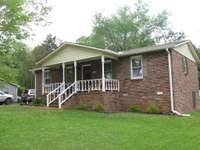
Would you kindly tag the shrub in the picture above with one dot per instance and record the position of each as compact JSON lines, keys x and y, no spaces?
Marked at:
{"x":80,"y":106}
{"x":98,"y":107}
{"x":153,"y":109}
{"x":38,"y":101}
{"x":133,"y":108}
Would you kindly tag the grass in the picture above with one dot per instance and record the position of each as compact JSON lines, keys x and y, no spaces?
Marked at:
{"x":23,"y":128}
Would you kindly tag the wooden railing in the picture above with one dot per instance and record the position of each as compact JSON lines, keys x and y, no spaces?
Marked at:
{"x":50,"y":87}
{"x":111,"y":85}
{"x":89,"y":85}
{"x":66,"y":94}
{"x":64,"y":91}
{"x":96,"y":85}
{"x":53,"y":95}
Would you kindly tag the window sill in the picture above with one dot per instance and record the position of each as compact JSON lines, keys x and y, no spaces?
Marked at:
{"x":137,"y":78}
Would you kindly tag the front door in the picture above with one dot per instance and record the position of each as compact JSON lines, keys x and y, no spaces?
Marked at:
{"x":69,"y":74}
{"x":86,"y":72}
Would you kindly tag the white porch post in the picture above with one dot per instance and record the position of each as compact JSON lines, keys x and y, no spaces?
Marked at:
{"x":43,"y":70}
{"x":35,"y":78}
{"x":103,"y":73}
{"x":75,"y":75}
{"x":63,"y":69}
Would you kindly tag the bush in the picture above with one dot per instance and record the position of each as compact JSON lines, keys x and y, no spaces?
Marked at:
{"x":38,"y":101}
{"x":134,"y":108}
{"x":80,"y":106}
{"x":153,"y":109}
{"x":98,"y":107}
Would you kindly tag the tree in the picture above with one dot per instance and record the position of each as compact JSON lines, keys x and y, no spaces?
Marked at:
{"x":198,"y":53}
{"x":129,"y":29}
{"x":16,"y":18}
{"x":15,"y":65}
{"x":23,"y":61}
{"x":49,"y":44}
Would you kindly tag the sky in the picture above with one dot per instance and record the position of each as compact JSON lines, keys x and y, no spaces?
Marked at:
{"x":71,"y":19}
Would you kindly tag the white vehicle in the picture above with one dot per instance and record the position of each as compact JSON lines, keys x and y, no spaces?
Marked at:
{"x":31,"y":92}
{"x":5,"y":98}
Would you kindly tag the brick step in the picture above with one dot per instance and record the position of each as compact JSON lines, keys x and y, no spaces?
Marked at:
{"x":54,"y":104}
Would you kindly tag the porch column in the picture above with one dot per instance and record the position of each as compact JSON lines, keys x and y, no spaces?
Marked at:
{"x":43,"y":70}
{"x":35,"y":84}
{"x":63,"y":69}
{"x":75,"y":74}
{"x":103,"y":73}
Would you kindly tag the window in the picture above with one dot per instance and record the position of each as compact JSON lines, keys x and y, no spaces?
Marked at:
{"x":184,"y":64}
{"x":47,"y":76}
{"x":108,"y":69}
{"x":136,"y":67}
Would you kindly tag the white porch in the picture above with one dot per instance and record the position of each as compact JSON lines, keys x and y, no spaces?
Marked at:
{"x":62,"y":91}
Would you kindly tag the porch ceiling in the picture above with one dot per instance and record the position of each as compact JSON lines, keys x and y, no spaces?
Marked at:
{"x":69,"y":53}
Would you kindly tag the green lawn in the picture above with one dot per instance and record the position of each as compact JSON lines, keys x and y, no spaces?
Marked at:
{"x":40,"y":128}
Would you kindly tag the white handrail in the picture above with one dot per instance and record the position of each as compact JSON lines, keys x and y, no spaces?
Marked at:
{"x":112,"y":85}
{"x":96,"y":85}
{"x":66,"y":94}
{"x":51,"y":86}
{"x":89,"y":85}
{"x":53,"y":95}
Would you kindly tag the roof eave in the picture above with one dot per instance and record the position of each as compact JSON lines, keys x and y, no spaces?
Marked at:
{"x":77,"y":45}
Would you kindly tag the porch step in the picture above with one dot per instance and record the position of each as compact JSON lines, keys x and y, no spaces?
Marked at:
{"x":54,"y":104}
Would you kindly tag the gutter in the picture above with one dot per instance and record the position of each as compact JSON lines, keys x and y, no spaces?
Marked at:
{"x":171,"y":87}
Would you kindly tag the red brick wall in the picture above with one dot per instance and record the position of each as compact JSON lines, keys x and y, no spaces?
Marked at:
{"x":184,"y":84}
{"x":143,"y":92}
{"x":109,"y":100}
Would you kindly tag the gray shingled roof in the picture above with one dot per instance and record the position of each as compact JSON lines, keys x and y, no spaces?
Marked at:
{"x":150,"y":48}
{"x":128,"y":52}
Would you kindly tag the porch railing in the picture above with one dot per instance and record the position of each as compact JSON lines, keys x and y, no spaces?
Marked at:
{"x":111,"y":85}
{"x":63,"y":91}
{"x":89,"y":85}
{"x":51,"y":86}
{"x":53,"y":95}
{"x":96,"y":85}
{"x":86,"y":85}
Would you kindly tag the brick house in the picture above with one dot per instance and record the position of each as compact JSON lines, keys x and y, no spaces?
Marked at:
{"x":162,"y":75}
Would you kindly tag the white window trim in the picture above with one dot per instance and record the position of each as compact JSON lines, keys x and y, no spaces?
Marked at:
{"x":185,"y":64}
{"x":45,"y":77}
{"x":131,"y":66}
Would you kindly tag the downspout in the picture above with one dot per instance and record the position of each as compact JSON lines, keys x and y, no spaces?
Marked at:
{"x":171,"y":87}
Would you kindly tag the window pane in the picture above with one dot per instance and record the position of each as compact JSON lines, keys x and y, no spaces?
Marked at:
{"x":137,"y":72}
{"x":47,"y":76}
{"x":136,"y":63}
{"x":137,"y":68}
{"x":184,"y":65}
